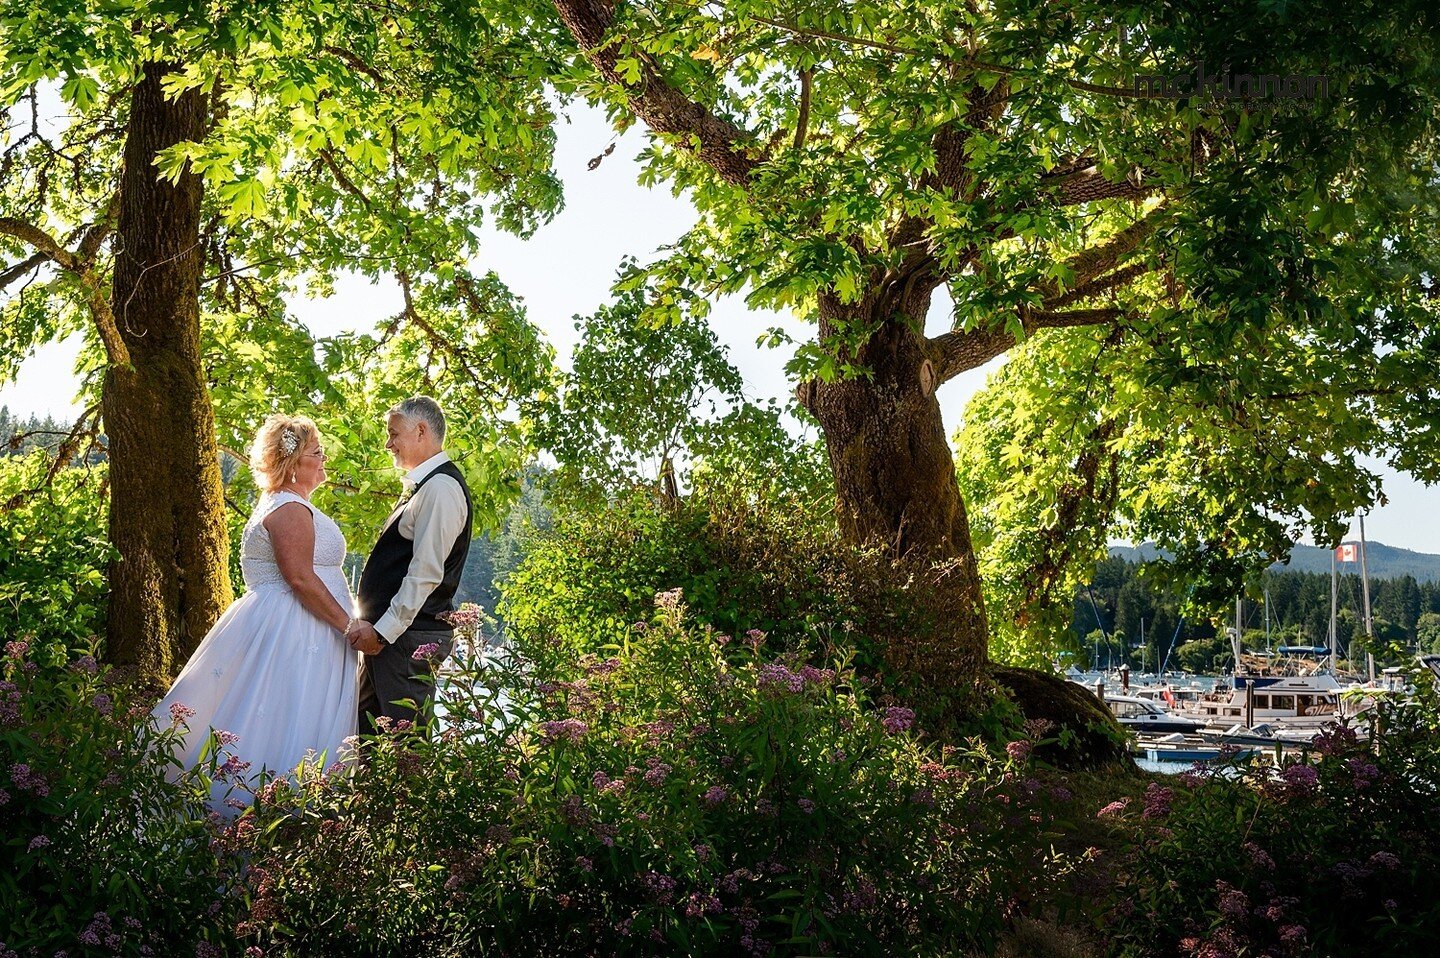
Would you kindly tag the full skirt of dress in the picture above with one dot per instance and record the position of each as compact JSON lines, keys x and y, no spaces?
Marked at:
{"x":280,"y":680}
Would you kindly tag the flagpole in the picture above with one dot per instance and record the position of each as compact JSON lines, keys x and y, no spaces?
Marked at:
{"x":1365,"y":591}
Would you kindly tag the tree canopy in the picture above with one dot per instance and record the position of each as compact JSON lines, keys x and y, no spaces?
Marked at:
{"x":341,"y":138}
{"x":1259,"y":249}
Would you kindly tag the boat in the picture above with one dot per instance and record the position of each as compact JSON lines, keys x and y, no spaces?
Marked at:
{"x":1177,"y":748}
{"x":1283,"y":701}
{"x":1143,"y":715}
{"x":1263,"y":735}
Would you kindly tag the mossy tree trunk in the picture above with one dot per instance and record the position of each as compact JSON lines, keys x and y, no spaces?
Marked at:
{"x":896,"y":488}
{"x":895,"y":480}
{"x":167,"y":522}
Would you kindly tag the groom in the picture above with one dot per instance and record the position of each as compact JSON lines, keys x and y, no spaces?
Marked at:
{"x":412,"y":573}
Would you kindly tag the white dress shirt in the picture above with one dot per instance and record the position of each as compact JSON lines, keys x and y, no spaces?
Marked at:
{"x":432,"y":518}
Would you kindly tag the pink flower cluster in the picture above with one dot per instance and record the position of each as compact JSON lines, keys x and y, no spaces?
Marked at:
{"x":700,"y":903}
{"x":661,"y":887}
{"x":1364,"y":773}
{"x":570,"y":730}
{"x":773,"y":675}
{"x":1019,"y":751}
{"x":1114,"y":808}
{"x":1158,"y":799}
{"x":1259,"y":857}
{"x":605,"y":667}
{"x":466,"y":617}
{"x":233,"y":767}
{"x":9,"y":703}
{"x":28,"y":781}
{"x":898,"y":719}
{"x":426,"y":652}
{"x":1301,"y":778}
{"x":179,"y":712}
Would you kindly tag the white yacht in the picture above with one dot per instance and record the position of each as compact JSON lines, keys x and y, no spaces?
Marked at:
{"x":1282,"y":701}
{"x":1143,"y":715}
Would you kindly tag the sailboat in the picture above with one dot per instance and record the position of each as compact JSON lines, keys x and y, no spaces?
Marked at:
{"x":1270,"y":704}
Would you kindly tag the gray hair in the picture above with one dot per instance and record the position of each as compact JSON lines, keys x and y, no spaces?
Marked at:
{"x":422,"y":409}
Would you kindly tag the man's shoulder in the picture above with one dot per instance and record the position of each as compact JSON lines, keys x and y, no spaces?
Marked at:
{"x":443,"y":483}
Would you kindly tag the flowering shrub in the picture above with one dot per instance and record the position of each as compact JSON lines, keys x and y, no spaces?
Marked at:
{"x":672,"y":795}
{"x":99,"y":854}
{"x":743,"y":562}
{"x":1331,"y":855}
{"x":53,"y":554}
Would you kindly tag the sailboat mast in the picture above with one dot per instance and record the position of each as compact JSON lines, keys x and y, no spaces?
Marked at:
{"x":1334,"y":601}
{"x":1239,"y":623}
{"x":1267,"y":622}
{"x":1365,"y":592}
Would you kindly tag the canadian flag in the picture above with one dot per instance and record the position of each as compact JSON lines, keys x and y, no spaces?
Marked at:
{"x":1349,"y":552}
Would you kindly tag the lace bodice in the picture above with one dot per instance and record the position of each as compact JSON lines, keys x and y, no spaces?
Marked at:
{"x":257,"y":555}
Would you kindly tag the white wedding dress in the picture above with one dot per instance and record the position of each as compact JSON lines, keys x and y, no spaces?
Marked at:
{"x":270,"y":673}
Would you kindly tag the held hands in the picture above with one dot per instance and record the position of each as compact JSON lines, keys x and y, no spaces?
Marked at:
{"x":362,"y":637}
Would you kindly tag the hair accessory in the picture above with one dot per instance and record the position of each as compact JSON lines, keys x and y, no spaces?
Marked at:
{"x":289,"y":442}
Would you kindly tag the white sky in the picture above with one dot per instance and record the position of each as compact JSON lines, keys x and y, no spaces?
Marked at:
{"x":567,"y":268}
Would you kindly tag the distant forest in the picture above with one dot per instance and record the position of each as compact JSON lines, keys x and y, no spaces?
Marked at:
{"x":19,"y":436}
{"x":1106,"y":626}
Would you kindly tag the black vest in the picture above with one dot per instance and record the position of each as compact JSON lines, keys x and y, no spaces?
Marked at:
{"x":389,"y":562}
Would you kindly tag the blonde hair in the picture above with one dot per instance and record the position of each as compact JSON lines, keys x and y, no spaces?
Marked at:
{"x":269,"y":461}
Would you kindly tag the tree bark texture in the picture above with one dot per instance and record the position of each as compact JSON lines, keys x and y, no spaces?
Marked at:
{"x":895,"y":480}
{"x":167,"y":521}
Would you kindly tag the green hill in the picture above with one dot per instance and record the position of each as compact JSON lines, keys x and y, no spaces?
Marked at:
{"x":1385,"y":562}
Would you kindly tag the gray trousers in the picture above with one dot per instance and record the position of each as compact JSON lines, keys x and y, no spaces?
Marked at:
{"x":398,"y":686}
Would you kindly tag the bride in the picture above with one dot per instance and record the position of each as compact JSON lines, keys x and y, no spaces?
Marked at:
{"x":275,"y":678}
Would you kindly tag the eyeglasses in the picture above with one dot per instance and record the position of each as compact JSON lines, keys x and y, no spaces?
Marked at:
{"x":318,"y":454}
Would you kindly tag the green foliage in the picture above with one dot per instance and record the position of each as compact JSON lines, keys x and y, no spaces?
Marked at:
{"x":53,"y":554}
{"x":684,"y":793}
{"x":1082,"y":438}
{"x":744,"y":560}
{"x":340,"y":139}
{"x":1428,"y":632}
{"x":495,"y":554}
{"x":844,"y":139}
{"x":674,"y":795}
{"x":651,"y":392}
{"x":1204,"y":656}
{"x":100,"y":851}
{"x":20,"y":436}
{"x":765,"y":563}
{"x":1332,"y":855}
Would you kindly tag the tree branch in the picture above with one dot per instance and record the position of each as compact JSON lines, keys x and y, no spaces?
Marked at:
{"x":10,"y":274}
{"x":348,"y":185}
{"x":802,"y":120}
{"x":87,"y":426}
{"x":30,"y":234}
{"x":973,"y":63}
{"x":666,"y":110}
{"x":1098,"y":285}
{"x":1089,"y":264}
{"x":1087,"y":185}
{"x":954,"y":352}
